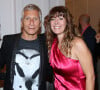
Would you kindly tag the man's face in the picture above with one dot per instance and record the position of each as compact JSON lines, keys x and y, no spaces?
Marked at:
{"x":31,"y":23}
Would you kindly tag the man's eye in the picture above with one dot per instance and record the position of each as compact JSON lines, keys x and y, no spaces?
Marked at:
{"x":27,"y":18}
{"x":36,"y":18}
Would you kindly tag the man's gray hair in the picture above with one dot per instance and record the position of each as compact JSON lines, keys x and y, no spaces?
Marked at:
{"x":32,"y":7}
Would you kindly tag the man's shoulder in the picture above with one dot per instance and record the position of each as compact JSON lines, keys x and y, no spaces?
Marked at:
{"x":42,"y":35}
{"x":11,"y":35}
{"x":90,"y":31}
{"x":42,"y":38}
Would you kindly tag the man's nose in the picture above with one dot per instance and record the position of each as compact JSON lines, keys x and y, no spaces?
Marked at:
{"x":32,"y":21}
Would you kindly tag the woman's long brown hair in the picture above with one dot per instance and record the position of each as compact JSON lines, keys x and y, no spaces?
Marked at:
{"x":69,"y":30}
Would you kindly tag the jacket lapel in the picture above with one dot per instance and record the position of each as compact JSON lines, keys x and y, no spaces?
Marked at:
{"x":42,"y":62}
{"x":16,"y":42}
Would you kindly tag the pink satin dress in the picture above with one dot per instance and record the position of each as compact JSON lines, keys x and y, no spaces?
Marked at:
{"x":67,"y":72}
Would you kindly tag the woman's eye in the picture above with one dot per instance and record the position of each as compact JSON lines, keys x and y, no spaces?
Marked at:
{"x":61,"y":18}
{"x":52,"y":19}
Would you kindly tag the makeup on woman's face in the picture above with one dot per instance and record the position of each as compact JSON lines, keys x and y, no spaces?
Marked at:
{"x":58,"y":23}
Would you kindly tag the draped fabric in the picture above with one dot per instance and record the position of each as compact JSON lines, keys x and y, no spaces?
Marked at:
{"x":68,"y":72}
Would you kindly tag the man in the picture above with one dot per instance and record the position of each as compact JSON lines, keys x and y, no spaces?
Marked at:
{"x":88,"y":34}
{"x":25,"y":54}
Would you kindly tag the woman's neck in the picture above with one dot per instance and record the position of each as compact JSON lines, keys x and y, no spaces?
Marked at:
{"x":60,"y":38}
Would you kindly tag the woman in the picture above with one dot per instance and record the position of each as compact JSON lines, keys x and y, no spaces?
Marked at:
{"x":70,"y":58}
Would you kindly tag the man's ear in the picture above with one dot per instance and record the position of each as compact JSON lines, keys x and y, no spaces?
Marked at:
{"x":21,"y":23}
{"x":40,"y":24}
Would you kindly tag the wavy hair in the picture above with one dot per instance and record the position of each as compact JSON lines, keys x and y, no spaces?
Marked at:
{"x":69,"y":30}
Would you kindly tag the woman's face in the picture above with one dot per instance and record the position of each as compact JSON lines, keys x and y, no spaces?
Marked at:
{"x":58,"y":24}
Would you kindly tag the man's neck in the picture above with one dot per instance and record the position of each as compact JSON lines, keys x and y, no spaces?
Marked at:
{"x":85,"y":26}
{"x":29,"y":37}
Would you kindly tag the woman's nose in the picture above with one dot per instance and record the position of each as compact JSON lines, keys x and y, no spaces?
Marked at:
{"x":56,"y":21}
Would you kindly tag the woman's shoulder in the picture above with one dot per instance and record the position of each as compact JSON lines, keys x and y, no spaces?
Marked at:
{"x":78,"y":43}
{"x":79,"y":47}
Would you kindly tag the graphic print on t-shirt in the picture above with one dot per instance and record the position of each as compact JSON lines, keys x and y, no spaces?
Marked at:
{"x":27,"y":64}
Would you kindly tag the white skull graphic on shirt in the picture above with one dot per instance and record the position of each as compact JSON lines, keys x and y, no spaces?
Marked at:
{"x":27,"y":64}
